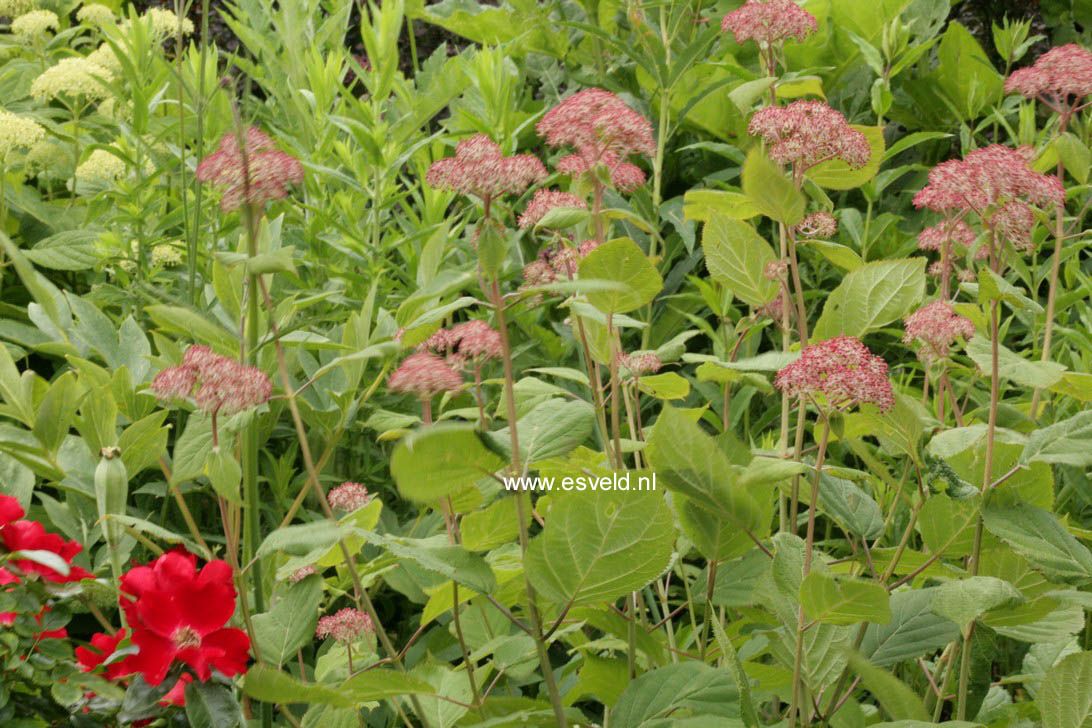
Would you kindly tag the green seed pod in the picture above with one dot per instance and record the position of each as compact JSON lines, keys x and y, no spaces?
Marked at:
{"x":111,"y":491}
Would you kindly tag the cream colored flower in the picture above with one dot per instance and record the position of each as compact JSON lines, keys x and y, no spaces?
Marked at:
{"x":163,"y":24}
{"x":50,"y":159}
{"x":95,"y":14}
{"x":34,"y":24}
{"x":77,"y":77}
{"x":101,"y":166}
{"x":105,"y":58}
{"x":17,"y":132}
{"x":112,"y":110}
{"x":166,"y":256}
{"x":15,"y":8}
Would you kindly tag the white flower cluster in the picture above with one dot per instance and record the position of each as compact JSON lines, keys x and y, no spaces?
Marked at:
{"x":101,"y":166}
{"x":162,"y":24}
{"x":15,"y":8}
{"x":34,"y":24}
{"x":74,"y":77}
{"x":17,"y":132}
{"x":95,"y":14}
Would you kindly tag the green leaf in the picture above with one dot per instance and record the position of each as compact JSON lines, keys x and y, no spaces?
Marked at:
{"x":837,"y":175}
{"x":1068,"y":442}
{"x":190,"y":324}
{"x":270,"y":685}
{"x":552,"y":428}
{"x":209,"y":705}
{"x":964,"y":74}
{"x":301,"y":539}
{"x":559,"y":218}
{"x":737,"y":256}
{"x":947,"y":525}
{"x":1012,"y":366}
{"x":224,"y":473}
{"x":192,"y":449}
{"x":491,"y":528}
{"x":436,"y":555}
{"x":56,"y":411}
{"x":1040,"y":537}
{"x":144,"y":442}
{"x":599,"y":545}
{"x":621,"y":261}
{"x":685,"y":688}
{"x":714,"y":536}
{"x":703,"y":205}
{"x":492,"y":248}
{"x":290,"y":624}
{"x":854,"y":509}
{"x":914,"y":630}
{"x":840,"y":255}
{"x":689,"y":461}
{"x":830,"y":600}
{"x":148,"y":528}
{"x":440,"y":460}
{"x":872,"y":296}
{"x":67,"y":250}
{"x":992,"y":287}
{"x":966,"y":600}
{"x":379,"y":684}
{"x":771,"y":191}
{"x":1074,"y":155}
{"x":894,"y":696}
{"x":1065,"y":698}
{"x":668,"y":385}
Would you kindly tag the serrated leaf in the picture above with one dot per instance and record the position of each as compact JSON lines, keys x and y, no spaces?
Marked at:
{"x":965,"y":600}
{"x":1065,"y":698}
{"x":737,"y":256}
{"x":914,"y":630}
{"x":436,"y":555}
{"x":872,"y":296}
{"x":66,"y":250}
{"x":830,"y":600}
{"x":440,"y":460}
{"x":854,"y":509}
{"x":1068,"y":442}
{"x":770,"y":190}
{"x":552,"y":428}
{"x":621,"y":261}
{"x":690,"y":687}
{"x":1040,"y":537}
{"x":290,"y":624}
{"x":894,"y":696}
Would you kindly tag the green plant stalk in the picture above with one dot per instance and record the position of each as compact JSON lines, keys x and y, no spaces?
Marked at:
{"x":360,"y":593}
{"x":797,"y":705}
{"x":783,"y":440}
{"x":521,"y":507}
{"x":452,"y":538}
{"x":184,"y":189}
{"x":615,"y":394}
{"x":1052,"y":294}
{"x":199,"y":113}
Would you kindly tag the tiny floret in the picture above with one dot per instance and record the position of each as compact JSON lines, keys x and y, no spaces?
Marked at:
{"x":301,"y":573}
{"x":805,"y":133}
{"x":546,"y":200}
{"x":252,"y":174}
{"x":768,"y":22}
{"x":479,"y":169}
{"x":843,"y":371}
{"x":937,"y":326}
{"x":346,"y":626}
{"x":348,"y":497}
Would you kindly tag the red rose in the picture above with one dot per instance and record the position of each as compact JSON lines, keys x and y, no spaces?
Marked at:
{"x":32,"y":536}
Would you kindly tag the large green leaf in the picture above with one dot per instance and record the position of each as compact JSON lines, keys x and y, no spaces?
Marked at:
{"x":1040,"y":537}
{"x":1065,"y":698}
{"x":290,"y":624}
{"x":597,"y":546}
{"x":67,"y":250}
{"x":691,"y":462}
{"x":552,"y":428}
{"x":440,"y":460}
{"x":1012,"y":366}
{"x":691,"y":688}
{"x":965,"y":75}
{"x":854,"y":509}
{"x":621,"y":261}
{"x":872,"y":296}
{"x":948,"y":525}
{"x":914,"y":630}
{"x":895,"y":697}
{"x":771,"y":192}
{"x":1068,"y":442}
{"x":837,"y":175}
{"x":209,"y":705}
{"x":737,"y":256}
{"x":965,"y":600}
{"x":843,"y":601}
{"x":436,"y":555}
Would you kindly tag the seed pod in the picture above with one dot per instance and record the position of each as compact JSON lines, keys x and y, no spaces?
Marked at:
{"x":111,"y":492}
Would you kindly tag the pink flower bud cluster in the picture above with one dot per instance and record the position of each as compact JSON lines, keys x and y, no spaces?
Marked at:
{"x":424,"y":375}
{"x":556,"y":264}
{"x":997,"y":184}
{"x":768,"y":22}
{"x":467,"y":342}
{"x":348,"y":497}
{"x":843,"y":371}
{"x":775,"y":270}
{"x":805,"y":133}
{"x":820,"y":225}
{"x":603,"y":131}
{"x":301,"y":573}
{"x":265,"y":174}
{"x":479,"y":169}
{"x":639,"y":363}
{"x":937,"y":326}
{"x":224,"y":386}
{"x":346,"y":626}
{"x":1060,"y":74}
{"x":942,"y":238}
{"x":775,"y":309}
{"x":546,"y":200}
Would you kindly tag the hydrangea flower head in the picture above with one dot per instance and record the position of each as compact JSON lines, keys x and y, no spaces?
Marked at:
{"x":95,"y":14}
{"x":348,"y":497}
{"x":937,"y":326}
{"x":101,"y":166}
{"x":843,"y":371}
{"x":466,"y":342}
{"x":1058,"y":75}
{"x":224,"y":386}
{"x":768,"y":22}
{"x":639,"y":363}
{"x":74,"y":77}
{"x":820,"y":225}
{"x":603,"y":130}
{"x":345,"y":626}
{"x":17,"y":132}
{"x":34,"y":24}
{"x":546,"y":200}
{"x":424,"y":375}
{"x":805,"y":133}
{"x":252,"y":174}
{"x":478,"y":169}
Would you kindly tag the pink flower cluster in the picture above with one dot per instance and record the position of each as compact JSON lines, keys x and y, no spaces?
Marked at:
{"x":997,"y":184}
{"x":937,"y":326}
{"x":768,"y":22}
{"x":467,"y":342}
{"x":479,"y":169}
{"x":843,"y":371}
{"x":805,"y":133}
{"x":546,"y":200}
{"x":424,"y":375}
{"x":556,"y":264}
{"x":252,"y":174}
{"x":941,"y":238}
{"x":1058,"y":75}
{"x":302,"y":573}
{"x":348,"y":497}
{"x":603,"y":131}
{"x":224,"y":386}
{"x":821,"y":225}
{"x":345,"y":626}
{"x":639,"y":364}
